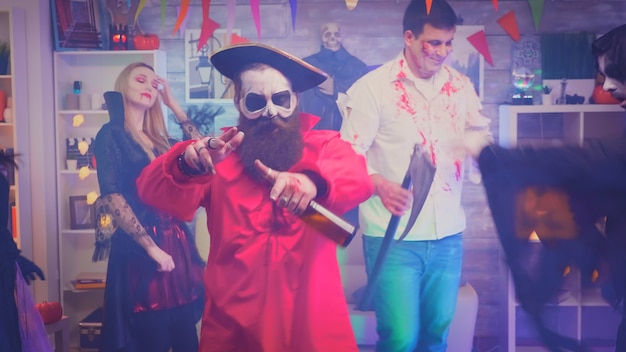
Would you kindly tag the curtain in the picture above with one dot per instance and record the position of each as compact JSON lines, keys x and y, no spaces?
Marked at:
{"x":567,"y":55}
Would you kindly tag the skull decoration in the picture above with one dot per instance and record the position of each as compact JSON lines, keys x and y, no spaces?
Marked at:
{"x":331,"y":37}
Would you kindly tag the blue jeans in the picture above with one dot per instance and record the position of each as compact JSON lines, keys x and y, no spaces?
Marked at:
{"x":416,"y":293}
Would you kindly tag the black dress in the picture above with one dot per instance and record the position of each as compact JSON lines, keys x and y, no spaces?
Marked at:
{"x":345,"y":69}
{"x":574,"y":198}
{"x":133,"y":284}
{"x":9,"y":329}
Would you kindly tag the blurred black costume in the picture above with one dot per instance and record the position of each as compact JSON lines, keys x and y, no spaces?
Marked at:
{"x":574,"y":198}
{"x":10,"y":339}
{"x":345,"y":69}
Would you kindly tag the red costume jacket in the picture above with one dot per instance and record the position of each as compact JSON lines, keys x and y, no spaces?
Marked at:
{"x":272,"y":282}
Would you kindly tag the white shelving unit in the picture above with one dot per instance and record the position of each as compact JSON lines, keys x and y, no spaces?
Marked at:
{"x":97,"y":70}
{"x":14,"y":134}
{"x":579,"y":313}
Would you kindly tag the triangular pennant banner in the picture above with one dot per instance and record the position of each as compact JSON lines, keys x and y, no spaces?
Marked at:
{"x":495,"y":4}
{"x":256,"y":16}
{"x":509,"y":23}
{"x":294,"y":9}
{"x":536,"y":7}
{"x":351,"y":4}
{"x":230,"y":16}
{"x":183,"y":24}
{"x":208,"y":26}
{"x":140,"y":7}
{"x":182,"y":14}
{"x":429,"y":4}
{"x":163,"y":6}
{"x":479,"y":41}
{"x":236,"y":39}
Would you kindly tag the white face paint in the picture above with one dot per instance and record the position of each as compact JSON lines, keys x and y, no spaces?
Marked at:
{"x":266,"y":92}
{"x":331,"y":37}
{"x":617,"y":88}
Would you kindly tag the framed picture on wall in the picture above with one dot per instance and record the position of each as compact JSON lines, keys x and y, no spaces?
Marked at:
{"x":82,"y":214}
{"x":202,"y":81}
{"x":466,"y":59}
{"x":76,"y":24}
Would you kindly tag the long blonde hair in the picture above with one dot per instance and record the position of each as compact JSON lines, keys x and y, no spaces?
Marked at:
{"x":153,"y":122}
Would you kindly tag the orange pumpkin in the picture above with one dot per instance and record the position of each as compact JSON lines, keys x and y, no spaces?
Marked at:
{"x":50,"y":312}
{"x":600,"y":96}
{"x":146,"y":42}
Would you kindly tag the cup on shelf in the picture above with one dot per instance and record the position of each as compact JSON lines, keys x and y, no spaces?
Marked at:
{"x":97,"y":100}
{"x":84,"y":101}
{"x":71,"y":101}
{"x":71,"y":164}
{"x":7,"y":115}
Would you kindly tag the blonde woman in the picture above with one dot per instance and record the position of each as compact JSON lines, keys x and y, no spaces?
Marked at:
{"x":154,"y":291}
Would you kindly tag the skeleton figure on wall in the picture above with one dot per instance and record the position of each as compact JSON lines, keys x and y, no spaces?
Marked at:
{"x":343,"y":70}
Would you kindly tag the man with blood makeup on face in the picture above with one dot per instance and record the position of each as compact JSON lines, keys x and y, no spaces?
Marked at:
{"x":272,"y":282}
{"x":416,"y":99}
{"x":342,"y":68}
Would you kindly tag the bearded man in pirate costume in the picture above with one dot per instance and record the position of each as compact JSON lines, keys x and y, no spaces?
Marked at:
{"x":574,"y":199}
{"x":272,"y":282}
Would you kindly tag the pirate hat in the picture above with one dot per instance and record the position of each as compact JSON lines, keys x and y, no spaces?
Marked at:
{"x":232,"y":59}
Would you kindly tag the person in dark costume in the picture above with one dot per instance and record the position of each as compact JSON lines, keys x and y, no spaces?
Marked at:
{"x":10,"y":339}
{"x":154,"y":291}
{"x":342,"y":68}
{"x":574,"y":199}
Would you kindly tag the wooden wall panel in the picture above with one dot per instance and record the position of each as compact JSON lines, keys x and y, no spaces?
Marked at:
{"x":373,"y":32}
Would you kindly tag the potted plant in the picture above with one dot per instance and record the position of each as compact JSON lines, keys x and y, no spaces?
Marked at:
{"x":547,"y":98}
{"x":5,"y":51}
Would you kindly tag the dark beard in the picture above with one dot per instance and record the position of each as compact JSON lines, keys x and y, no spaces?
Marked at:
{"x":277,"y":147}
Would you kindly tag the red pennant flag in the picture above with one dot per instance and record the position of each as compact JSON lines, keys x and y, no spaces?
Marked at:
{"x":208,"y":27}
{"x":495,"y":4}
{"x":429,"y":4}
{"x":479,"y":41}
{"x":236,"y":39}
{"x":509,"y":23}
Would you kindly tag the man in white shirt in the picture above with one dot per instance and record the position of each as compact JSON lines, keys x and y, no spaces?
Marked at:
{"x":415,"y":99}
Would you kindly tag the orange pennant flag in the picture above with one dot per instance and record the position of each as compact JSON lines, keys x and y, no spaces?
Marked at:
{"x":236,"y":39}
{"x":184,"y":7}
{"x":495,"y":4}
{"x":479,"y":41}
{"x":429,"y":4}
{"x":509,"y":23}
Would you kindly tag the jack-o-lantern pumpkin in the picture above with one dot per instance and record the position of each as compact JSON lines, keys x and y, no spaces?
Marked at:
{"x":51,"y":312}
{"x":146,"y":42}
{"x":600,"y":96}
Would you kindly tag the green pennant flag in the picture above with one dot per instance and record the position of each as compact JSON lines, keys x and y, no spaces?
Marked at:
{"x":536,"y":7}
{"x":163,"y":13}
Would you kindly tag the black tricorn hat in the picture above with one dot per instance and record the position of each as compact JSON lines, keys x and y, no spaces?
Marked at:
{"x":232,"y":59}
